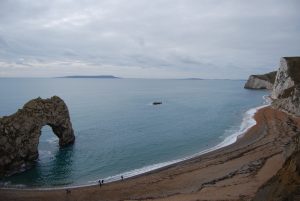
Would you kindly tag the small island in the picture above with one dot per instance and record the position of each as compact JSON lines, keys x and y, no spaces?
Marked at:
{"x":92,"y":76}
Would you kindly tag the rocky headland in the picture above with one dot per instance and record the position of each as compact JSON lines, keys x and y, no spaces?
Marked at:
{"x":20,"y":132}
{"x":264,"y":81}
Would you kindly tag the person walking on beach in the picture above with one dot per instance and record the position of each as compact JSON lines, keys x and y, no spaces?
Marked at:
{"x":102,"y":181}
{"x":100,"y":184}
{"x":122,"y":177}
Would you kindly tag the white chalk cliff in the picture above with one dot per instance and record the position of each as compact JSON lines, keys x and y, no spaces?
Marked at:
{"x":286,"y":91}
{"x":265,"y":81}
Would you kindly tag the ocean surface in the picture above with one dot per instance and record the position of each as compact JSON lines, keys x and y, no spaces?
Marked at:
{"x":118,"y":130}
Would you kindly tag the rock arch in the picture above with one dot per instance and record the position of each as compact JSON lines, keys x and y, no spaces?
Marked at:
{"x":20,"y":132}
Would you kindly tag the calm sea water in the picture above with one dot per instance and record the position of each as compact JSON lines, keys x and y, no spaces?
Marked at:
{"x":118,"y":129}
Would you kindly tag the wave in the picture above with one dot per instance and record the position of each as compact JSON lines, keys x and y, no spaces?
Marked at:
{"x":267,"y":100}
{"x":45,"y":154}
{"x":52,"y":140}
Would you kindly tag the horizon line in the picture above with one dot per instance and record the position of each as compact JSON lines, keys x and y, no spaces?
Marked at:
{"x":116,"y":77}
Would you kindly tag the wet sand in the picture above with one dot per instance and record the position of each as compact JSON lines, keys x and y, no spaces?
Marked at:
{"x":234,"y":172}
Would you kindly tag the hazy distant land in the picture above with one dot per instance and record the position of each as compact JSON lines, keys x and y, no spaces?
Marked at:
{"x":92,"y":76}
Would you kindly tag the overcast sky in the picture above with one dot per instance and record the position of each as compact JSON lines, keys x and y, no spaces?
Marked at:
{"x":147,"y":38}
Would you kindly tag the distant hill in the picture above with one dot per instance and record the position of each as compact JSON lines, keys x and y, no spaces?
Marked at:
{"x":92,"y":76}
{"x":192,"y":78}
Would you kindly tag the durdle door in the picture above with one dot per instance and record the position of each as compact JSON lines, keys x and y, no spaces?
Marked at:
{"x":20,"y":132}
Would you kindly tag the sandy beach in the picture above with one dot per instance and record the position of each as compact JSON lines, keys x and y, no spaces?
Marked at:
{"x":234,"y":172}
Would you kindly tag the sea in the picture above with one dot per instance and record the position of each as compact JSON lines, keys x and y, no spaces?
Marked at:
{"x":119,"y":132}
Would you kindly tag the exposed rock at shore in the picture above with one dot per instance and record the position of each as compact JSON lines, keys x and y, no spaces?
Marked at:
{"x":265,"y":81}
{"x":286,"y":92}
{"x":20,"y":132}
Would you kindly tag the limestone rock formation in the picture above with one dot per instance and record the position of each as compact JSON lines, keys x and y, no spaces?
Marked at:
{"x":20,"y":132}
{"x":265,"y":81}
{"x":286,"y":92}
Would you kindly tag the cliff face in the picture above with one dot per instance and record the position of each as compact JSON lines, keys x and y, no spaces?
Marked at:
{"x":285,"y":185}
{"x":265,"y":81}
{"x":20,"y":132}
{"x":286,"y":92}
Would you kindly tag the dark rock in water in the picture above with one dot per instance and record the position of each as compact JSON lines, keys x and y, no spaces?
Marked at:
{"x":265,"y":81}
{"x":157,"y":103}
{"x":286,"y":92}
{"x":20,"y":132}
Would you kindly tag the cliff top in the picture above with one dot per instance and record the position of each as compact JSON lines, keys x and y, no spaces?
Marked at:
{"x":267,"y":77}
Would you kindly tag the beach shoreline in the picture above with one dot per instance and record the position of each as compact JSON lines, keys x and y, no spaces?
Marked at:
{"x":247,"y":123}
{"x":249,"y":162}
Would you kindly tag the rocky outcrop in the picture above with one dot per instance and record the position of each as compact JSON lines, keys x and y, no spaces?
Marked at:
{"x":286,"y":92}
{"x":265,"y":81}
{"x":20,"y":132}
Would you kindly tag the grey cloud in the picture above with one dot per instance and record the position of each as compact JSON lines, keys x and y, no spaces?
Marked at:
{"x":192,"y":36}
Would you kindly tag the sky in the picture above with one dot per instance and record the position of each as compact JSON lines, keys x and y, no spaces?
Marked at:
{"x":210,"y":39}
